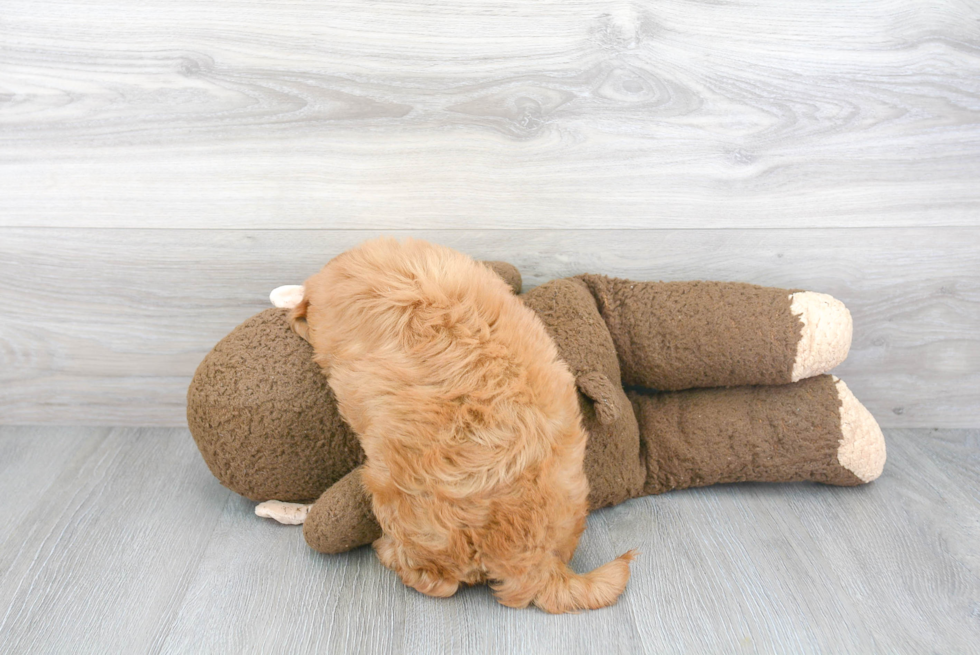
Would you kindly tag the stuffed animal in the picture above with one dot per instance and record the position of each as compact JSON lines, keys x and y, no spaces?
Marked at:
{"x":739,"y":373}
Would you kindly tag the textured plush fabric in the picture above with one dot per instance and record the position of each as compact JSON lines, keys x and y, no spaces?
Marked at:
{"x":684,"y":335}
{"x":263,"y":415}
{"x":612,"y":456}
{"x":781,"y":433}
{"x":267,"y":424}
{"x":341,"y":519}
{"x":508,"y":272}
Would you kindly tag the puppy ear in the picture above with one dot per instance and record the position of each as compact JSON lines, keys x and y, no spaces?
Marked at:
{"x":600,"y":390}
{"x":297,"y":319}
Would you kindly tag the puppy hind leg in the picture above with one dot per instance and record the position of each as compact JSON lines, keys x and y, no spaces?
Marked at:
{"x":429,"y":583}
{"x":427,"y":580}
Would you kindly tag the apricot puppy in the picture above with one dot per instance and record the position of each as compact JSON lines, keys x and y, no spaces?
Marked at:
{"x":469,"y":421}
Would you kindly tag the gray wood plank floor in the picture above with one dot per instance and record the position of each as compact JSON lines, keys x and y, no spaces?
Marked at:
{"x":119,"y":540}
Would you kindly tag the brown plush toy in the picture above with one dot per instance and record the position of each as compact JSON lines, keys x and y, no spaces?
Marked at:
{"x":738,"y":370}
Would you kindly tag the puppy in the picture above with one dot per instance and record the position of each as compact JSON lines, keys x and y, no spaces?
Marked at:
{"x":469,"y":421}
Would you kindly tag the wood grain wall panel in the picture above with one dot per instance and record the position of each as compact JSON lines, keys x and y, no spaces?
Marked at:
{"x":105,"y":327}
{"x":489,"y":114}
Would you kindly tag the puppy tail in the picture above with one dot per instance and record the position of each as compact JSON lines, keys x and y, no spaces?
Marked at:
{"x":557,"y":589}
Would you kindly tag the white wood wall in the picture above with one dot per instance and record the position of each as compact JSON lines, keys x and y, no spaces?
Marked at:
{"x":164,"y":164}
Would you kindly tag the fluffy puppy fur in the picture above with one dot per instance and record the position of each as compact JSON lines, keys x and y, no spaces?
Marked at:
{"x":469,"y":421}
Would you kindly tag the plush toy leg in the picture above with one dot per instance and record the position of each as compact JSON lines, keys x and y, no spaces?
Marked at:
{"x":682,"y":335}
{"x":810,"y":430}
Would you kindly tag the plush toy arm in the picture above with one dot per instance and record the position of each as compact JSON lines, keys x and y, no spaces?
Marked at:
{"x":682,"y":335}
{"x":810,"y":430}
{"x":341,"y":519}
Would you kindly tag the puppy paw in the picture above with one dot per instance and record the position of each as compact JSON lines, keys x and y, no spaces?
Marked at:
{"x":285,"y":513}
{"x":429,"y":583}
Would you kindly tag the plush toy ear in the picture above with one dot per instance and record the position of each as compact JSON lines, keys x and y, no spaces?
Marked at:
{"x":287,"y":296}
{"x":600,"y":389}
{"x":508,"y":272}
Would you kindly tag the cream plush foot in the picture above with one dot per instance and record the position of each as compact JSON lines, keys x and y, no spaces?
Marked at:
{"x":826,"y":335}
{"x":285,"y":513}
{"x":862,"y":445}
{"x":287,"y":296}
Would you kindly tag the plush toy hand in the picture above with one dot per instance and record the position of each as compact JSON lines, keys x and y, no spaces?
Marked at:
{"x":600,"y":389}
{"x":285,"y":513}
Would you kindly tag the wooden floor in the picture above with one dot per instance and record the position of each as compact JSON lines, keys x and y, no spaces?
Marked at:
{"x":120,"y":540}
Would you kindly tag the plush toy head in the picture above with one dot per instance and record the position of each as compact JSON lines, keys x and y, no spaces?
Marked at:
{"x":263,"y":415}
